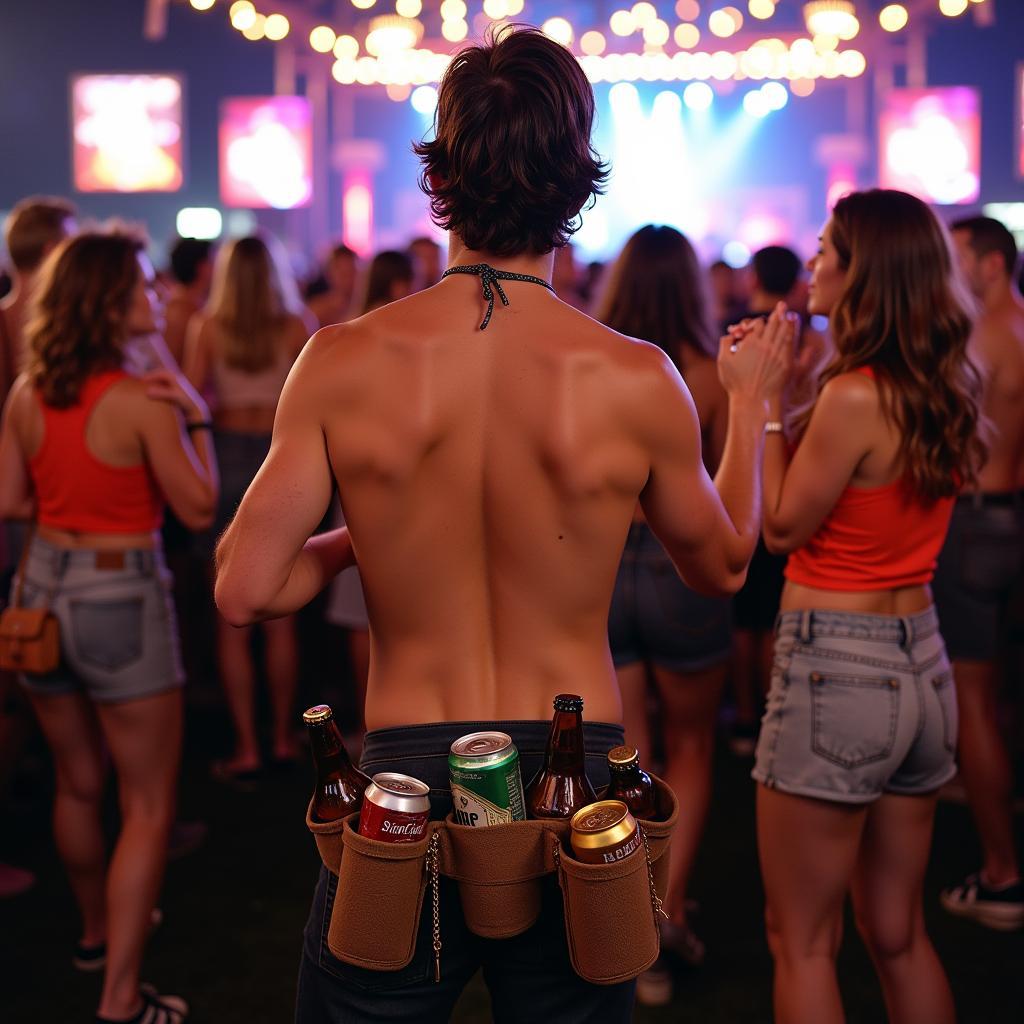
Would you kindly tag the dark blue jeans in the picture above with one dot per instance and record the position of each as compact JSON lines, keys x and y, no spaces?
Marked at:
{"x":529,"y":977}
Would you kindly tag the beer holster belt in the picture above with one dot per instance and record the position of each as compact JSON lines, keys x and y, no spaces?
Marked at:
{"x":610,"y":909}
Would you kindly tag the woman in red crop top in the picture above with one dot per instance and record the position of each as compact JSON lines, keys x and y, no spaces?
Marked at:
{"x":91,"y":454}
{"x":860,"y":726}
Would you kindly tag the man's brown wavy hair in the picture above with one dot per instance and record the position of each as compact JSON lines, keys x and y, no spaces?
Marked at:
{"x":79,"y":319}
{"x":511,"y":165}
{"x":905,"y":312}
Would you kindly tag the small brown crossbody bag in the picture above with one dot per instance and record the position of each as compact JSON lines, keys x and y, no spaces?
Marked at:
{"x":29,"y":637}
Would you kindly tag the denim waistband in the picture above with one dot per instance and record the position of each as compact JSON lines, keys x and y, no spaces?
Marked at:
{"x":436,"y":739}
{"x":57,"y":561}
{"x":903,"y":630}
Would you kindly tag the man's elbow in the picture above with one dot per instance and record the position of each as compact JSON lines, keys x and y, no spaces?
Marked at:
{"x":232,"y":603}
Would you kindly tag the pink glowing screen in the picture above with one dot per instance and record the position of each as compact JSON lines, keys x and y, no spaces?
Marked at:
{"x":930,"y":143}
{"x":126,"y":133}
{"x":266,"y":152}
{"x":1020,"y":120}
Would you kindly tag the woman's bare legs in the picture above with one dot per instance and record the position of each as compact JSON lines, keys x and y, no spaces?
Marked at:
{"x":808,"y":851}
{"x":234,"y":656}
{"x":144,"y":739}
{"x":689,"y":703}
{"x":68,"y":722}
{"x":887,"y":899}
{"x":633,"y":687}
{"x":282,"y":657}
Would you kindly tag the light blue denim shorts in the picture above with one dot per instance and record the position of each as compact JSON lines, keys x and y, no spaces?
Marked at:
{"x":860,"y":705}
{"x":118,"y":630}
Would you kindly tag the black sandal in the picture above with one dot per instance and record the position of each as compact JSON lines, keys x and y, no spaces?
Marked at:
{"x":156,"y":1009}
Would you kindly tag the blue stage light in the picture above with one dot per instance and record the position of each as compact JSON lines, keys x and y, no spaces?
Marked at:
{"x":698,"y":96}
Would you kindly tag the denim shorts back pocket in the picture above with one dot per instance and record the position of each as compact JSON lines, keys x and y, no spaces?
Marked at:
{"x":415,"y":972}
{"x":108,"y":634}
{"x":945,"y":692}
{"x":853,"y":718}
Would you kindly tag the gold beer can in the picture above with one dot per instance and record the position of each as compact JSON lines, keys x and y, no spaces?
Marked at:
{"x":604,"y":833}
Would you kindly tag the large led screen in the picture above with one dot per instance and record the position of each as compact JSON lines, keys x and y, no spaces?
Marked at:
{"x":266,"y":152}
{"x":1020,"y":120}
{"x":126,"y":133}
{"x":930,"y":143}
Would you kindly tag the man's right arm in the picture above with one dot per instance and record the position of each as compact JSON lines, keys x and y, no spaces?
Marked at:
{"x":709,"y":530}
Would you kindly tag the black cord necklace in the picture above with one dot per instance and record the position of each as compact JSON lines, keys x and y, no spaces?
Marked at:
{"x":490,"y":279}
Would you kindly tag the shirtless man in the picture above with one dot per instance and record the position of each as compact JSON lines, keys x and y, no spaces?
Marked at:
{"x":35,"y":227}
{"x":488,"y":478}
{"x":191,"y":261}
{"x":979,"y":566}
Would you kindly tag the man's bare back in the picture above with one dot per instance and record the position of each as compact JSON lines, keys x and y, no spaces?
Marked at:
{"x":488,"y":480}
{"x":998,"y":349}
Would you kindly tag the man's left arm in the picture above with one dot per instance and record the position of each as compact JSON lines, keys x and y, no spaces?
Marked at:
{"x":268,"y":564}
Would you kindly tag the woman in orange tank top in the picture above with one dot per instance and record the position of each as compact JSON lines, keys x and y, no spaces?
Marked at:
{"x":92,"y":454}
{"x":860,"y":726}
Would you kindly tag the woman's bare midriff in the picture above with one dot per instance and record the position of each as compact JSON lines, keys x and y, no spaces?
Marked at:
{"x":902,"y":601}
{"x":98,"y":541}
{"x":245,"y":420}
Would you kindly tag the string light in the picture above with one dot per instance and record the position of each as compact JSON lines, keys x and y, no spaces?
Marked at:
{"x":256,"y":30}
{"x":242,"y":14}
{"x":454,"y":30}
{"x":202,"y":5}
{"x":687,"y":10}
{"x":686,"y":36}
{"x":762,"y":9}
{"x":408,"y":9}
{"x":558,"y":29}
{"x":346,"y":48}
{"x":893,"y":18}
{"x":322,"y":39}
{"x":277,"y":27}
{"x":622,"y":23}
{"x":952,"y":8}
{"x":593,"y":43}
{"x":725,"y":22}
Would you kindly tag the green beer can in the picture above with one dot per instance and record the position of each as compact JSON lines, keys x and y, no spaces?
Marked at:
{"x":487,"y":786}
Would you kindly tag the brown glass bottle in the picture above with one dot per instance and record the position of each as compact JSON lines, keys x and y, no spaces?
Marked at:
{"x":339,"y":783}
{"x":630,"y":783}
{"x":561,"y":787}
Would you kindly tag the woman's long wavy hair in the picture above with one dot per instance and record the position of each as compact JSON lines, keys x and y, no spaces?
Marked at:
{"x":79,"y":317}
{"x":657,"y":291}
{"x":905,"y":312}
{"x":252,"y":295}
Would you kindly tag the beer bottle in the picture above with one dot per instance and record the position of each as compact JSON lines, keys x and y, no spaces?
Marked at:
{"x":630,"y":783}
{"x":561,"y":787}
{"x":339,"y":783}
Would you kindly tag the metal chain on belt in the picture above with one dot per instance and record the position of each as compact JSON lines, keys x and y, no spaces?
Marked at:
{"x":655,"y":898}
{"x":434,"y":869}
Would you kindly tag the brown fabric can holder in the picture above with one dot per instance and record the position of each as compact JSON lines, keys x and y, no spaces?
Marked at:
{"x":609,"y":917}
{"x":376,"y":912}
{"x":499,"y":870}
{"x":610,"y":910}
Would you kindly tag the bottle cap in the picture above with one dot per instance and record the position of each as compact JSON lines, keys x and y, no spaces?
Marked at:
{"x":623,"y":757}
{"x":318,"y":714}
{"x":568,"y":702}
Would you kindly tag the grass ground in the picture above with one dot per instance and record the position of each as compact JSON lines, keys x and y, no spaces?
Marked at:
{"x":234,"y":911}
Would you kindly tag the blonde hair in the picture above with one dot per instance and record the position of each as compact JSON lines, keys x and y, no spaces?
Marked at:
{"x":252,"y":297}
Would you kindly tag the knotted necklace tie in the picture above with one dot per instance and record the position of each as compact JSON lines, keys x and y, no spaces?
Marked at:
{"x":491,"y":280}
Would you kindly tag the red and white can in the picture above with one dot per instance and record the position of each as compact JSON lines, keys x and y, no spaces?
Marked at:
{"x":396,"y":809}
